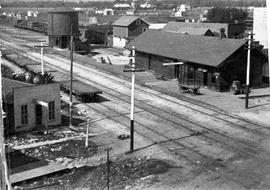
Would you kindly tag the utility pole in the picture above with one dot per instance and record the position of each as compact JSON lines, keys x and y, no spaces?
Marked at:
{"x":4,"y":176}
{"x":87,"y":133}
{"x":71,"y":77}
{"x":132,"y":101}
{"x":248,"y":69}
{"x":42,"y":58}
{"x":132,"y":70}
{"x":42,"y":55}
{"x":108,"y":167}
{"x":268,"y":32}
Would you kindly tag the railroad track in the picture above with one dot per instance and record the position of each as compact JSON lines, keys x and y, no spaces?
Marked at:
{"x":214,"y":113}
{"x":176,"y":122}
{"x":195,"y":126}
{"x":202,"y":105}
{"x":185,"y":151}
{"x":165,"y":112}
{"x":196,"y":102}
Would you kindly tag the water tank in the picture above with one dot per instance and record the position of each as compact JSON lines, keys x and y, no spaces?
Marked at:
{"x":60,"y":21}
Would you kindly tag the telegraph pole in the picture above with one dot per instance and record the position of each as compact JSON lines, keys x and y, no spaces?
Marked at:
{"x":132,"y":70}
{"x":132,"y":101}
{"x":87,"y":132}
{"x":248,"y":69}
{"x":108,"y":166}
{"x":71,"y":77}
{"x":42,"y":58}
{"x":268,"y":32}
{"x":42,"y":55}
{"x":4,"y":176}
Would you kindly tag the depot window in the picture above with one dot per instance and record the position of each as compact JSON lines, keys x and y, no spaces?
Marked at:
{"x":51,"y":110}
{"x":24,"y":115}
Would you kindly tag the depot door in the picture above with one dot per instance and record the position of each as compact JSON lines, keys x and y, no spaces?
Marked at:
{"x":205,"y":79}
{"x":38,"y":114}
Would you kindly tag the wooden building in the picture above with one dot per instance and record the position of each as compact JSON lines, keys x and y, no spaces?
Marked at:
{"x":210,"y":61}
{"x":21,"y":103}
{"x":230,"y":30}
{"x":127,"y":28}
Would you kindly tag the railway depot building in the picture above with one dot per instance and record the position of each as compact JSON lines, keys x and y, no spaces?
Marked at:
{"x":208,"y":61}
{"x":24,"y":106}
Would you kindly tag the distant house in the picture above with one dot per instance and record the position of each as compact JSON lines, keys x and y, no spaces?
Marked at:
{"x":105,"y":12}
{"x":197,"y":14}
{"x":231,"y":30}
{"x":158,"y":21}
{"x":178,"y":12}
{"x":24,"y":113}
{"x":130,"y":12}
{"x":145,"y":5}
{"x":122,"y":5}
{"x":127,"y":28}
{"x":209,"y":61}
{"x":260,"y":33}
{"x":260,"y":26}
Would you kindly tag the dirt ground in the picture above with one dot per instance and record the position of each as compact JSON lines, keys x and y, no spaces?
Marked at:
{"x":164,"y":170}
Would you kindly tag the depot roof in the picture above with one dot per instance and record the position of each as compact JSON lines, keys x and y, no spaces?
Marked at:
{"x":211,"y":51}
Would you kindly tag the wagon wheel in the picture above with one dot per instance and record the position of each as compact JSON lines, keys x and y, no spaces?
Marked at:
{"x":196,"y":91}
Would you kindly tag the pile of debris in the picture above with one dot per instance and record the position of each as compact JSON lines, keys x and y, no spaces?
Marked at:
{"x":38,"y":136}
{"x":125,"y":174}
{"x":72,"y":149}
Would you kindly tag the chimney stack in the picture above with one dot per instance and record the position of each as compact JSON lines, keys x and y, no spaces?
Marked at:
{"x":222,"y":33}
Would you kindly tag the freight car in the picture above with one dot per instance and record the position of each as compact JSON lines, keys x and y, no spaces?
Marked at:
{"x":35,"y":26}
{"x":81,"y":91}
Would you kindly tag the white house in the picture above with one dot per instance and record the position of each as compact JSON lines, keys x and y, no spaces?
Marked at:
{"x":145,"y":5}
{"x":178,"y":12}
{"x":260,"y":25}
{"x":122,"y":5}
{"x":260,"y":32}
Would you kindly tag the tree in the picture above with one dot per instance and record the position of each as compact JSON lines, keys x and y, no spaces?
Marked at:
{"x":226,"y":15}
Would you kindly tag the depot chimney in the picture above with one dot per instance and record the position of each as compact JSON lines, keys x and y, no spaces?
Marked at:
{"x":222,"y":33}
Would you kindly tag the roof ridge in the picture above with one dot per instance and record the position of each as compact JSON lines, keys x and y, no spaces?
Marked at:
{"x":17,"y":81}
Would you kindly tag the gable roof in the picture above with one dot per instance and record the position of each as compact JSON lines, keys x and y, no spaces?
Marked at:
{"x":9,"y":85}
{"x":126,"y":20}
{"x":211,"y":51}
{"x":61,"y":10}
{"x":192,"y":31}
{"x":159,"y":19}
{"x":214,"y":27}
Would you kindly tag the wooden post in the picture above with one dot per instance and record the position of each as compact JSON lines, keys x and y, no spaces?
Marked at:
{"x":71,"y":77}
{"x":108,"y":167}
{"x":42,"y":59}
{"x":248,"y":69}
{"x":46,"y":120}
{"x":4,"y":176}
{"x":132,"y":70}
{"x":132,"y":101}
{"x":268,"y":33}
{"x":194,"y":77}
{"x":42,"y":55}
{"x":87,"y":133}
